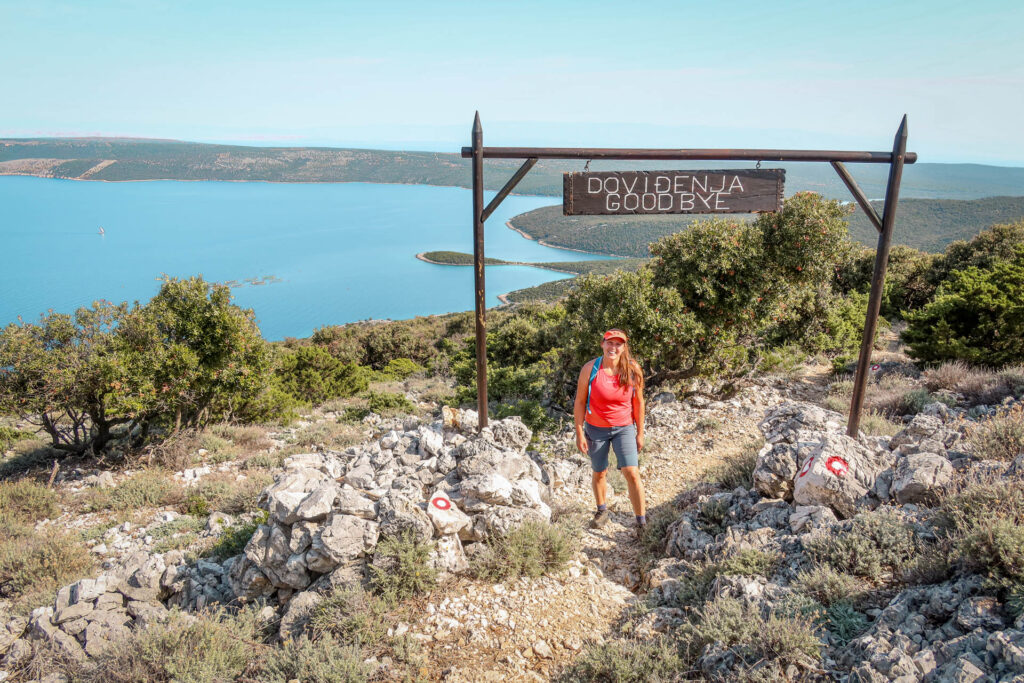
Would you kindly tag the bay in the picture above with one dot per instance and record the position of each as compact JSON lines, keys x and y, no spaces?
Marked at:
{"x":327,"y":253}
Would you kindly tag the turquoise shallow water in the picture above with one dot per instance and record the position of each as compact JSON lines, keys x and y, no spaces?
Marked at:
{"x":342,"y":252}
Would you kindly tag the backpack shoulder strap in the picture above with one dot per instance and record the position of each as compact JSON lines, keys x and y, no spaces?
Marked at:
{"x":593,"y":374}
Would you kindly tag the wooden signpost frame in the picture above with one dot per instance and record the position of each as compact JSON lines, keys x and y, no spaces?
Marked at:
{"x":884,"y":223}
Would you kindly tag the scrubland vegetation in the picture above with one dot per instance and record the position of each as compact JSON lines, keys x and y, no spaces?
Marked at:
{"x":147,"y":386}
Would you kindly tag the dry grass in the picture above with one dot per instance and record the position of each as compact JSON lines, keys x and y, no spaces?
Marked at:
{"x":331,"y":435}
{"x":877,"y":424}
{"x":247,"y":437}
{"x":1000,"y":437}
{"x":979,"y":386}
{"x":149,"y":488}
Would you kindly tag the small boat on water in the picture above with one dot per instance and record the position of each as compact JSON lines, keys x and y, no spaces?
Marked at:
{"x":102,"y":231}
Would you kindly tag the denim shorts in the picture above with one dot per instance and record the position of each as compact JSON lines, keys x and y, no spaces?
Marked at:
{"x":622,"y":439}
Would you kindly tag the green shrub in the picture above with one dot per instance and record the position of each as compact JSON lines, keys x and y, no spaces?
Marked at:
{"x":876,"y":424}
{"x":652,"y":541}
{"x":312,"y":375}
{"x":34,"y":564}
{"x":1000,"y":437}
{"x":626,"y":661}
{"x":324,"y":660}
{"x":788,"y":361}
{"x":400,"y":368}
{"x":402,"y":568}
{"x":354,"y":616}
{"x":177,"y":534}
{"x":914,"y":401}
{"x":28,"y":502}
{"x":532,"y":549}
{"x":696,"y":583}
{"x":873,"y":545}
{"x":735,"y":470}
{"x":755,"y":638}
{"x":845,"y":623}
{"x":183,"y":359}
{"x":997,"y":243}
{"x":977,"y":316}
{"x":234,"y":538}
{"x":149,"y":488}
{"x":217,"y":646}
{"x":828,"y":586}
{"x":8,"y":435}
{"x":265,"y":461}
{"x":354,"y":414}
{"x":531,"y":412}
{"x":384,"y":403}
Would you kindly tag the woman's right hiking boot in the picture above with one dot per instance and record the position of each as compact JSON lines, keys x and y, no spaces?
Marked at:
{"x":600,"y":519}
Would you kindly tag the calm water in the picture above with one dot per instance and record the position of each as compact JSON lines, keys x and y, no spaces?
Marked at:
{"x":342,"y":252}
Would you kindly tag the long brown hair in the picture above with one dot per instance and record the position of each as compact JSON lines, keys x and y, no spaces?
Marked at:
{"x":630,"y":374}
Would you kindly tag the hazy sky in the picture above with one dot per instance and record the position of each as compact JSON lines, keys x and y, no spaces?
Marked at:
{"x":815,"y":74}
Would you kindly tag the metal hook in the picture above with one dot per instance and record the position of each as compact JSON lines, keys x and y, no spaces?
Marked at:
{"x":758,"y":164}
{"x":586,"y":166}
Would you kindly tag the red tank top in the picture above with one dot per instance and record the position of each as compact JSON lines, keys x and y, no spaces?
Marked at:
{"x":611,"y":403}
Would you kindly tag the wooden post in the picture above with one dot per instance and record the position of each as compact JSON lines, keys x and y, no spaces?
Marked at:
{"x":478,"y":271}
{"x":892,"y":194}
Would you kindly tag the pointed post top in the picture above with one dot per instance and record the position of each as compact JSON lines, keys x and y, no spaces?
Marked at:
{"x":901,"y":134}
{"x":477,"y":128}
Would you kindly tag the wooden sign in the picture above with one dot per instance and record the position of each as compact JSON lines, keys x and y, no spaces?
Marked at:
{"x":642,"y":192}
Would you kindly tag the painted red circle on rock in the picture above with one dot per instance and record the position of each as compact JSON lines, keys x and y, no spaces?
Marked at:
{"x":441,"y":503}
{"x":807,"y":467}
{"x":837,"y":466}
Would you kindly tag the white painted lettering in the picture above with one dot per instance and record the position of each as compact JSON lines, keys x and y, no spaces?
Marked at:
{"x":649,"y":205}
{"x":612,"y":202}
{"x":662,"y":187}
{"x":664,"y":201}
{"x":635,"y":202}
{"x":593,"y":185}
{"x":686,"y":201}
{"x":735,"y":184}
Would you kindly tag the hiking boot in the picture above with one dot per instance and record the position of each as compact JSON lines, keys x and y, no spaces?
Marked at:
{"x":600,"y":519}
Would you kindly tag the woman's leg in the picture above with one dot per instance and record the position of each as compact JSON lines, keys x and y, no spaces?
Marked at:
{"x":628,"y":460}
{"x":636,"y":489}
{"x":599,"y":480}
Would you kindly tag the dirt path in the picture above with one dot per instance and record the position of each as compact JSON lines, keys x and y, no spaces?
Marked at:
{"x":529,"y":629}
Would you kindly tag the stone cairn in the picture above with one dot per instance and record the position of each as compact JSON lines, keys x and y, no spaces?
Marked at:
{"x":811,"y":478}
{"x":445,"y":483}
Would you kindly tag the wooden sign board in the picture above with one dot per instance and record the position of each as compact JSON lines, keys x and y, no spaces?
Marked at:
{"x":602,"y":193}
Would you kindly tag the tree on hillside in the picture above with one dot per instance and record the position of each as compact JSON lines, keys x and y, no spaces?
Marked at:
{"x":186,"y":357}
{"x":977,"y":316}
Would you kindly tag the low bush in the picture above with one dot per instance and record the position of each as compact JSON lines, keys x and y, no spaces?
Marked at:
{"x":845,"y":623}
{"x":626,"y":661}
{"x":874,"y":545}
{"x":34,"y":564}
{"x":532,"y":549}
{"x":789,"y":361}
{"x":984,"y":524}
{"x":149,"y":488}
{"x":28,"y":501}
{"x":337,"y":435}
{"x":246,"y":437}
{"x":652,"y":541}
{"x":530,"y":411}
{"x":1000,"y":437}
{"x":177,"y":534}
{"x":399,"y":369}
{"x":828,"y":586}
{"x":696,"y":583}
{"x":233,"y":539}
{"x":310,"y":374}
{"x":384,"y":403}
{"x":753,"y":637}
{"x":976,"y":316}
{"x":324,"y":660}
{"x":402,"y":567}
{"x":914,"y":401}
{"x":877,"y":424}
{"x":216,"y":646}
{"x":9,"y":435}
{"x":735,"y":470}
{"x":354,"y":616}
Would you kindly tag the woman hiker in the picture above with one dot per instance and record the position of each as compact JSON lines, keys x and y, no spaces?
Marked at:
{"x":609,"y":413}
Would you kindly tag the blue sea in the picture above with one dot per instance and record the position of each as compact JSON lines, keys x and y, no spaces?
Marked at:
{"x":328,"y":253}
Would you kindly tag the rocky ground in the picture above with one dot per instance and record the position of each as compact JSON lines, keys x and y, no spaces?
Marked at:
{"x":438,"y":479}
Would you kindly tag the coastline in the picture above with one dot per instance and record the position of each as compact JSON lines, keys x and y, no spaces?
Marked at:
{"x":422,"y":257}
{"x":508,"y":224}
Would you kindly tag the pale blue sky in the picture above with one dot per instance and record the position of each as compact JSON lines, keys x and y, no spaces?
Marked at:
{"x":410,"y":74}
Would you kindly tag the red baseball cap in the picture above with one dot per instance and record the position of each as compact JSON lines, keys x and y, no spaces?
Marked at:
{"x":615,"y":334}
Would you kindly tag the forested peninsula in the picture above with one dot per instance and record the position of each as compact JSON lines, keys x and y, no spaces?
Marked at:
{"x":926,"y":224}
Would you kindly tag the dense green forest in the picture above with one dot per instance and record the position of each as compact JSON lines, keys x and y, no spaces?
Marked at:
{"x":116,"y":159}
{"x":926,"y":224}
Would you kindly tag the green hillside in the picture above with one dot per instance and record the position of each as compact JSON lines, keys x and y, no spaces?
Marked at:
{"x":927,"y":224}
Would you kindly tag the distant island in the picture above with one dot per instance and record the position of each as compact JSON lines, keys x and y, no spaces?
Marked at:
{"x":124,"y":159}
